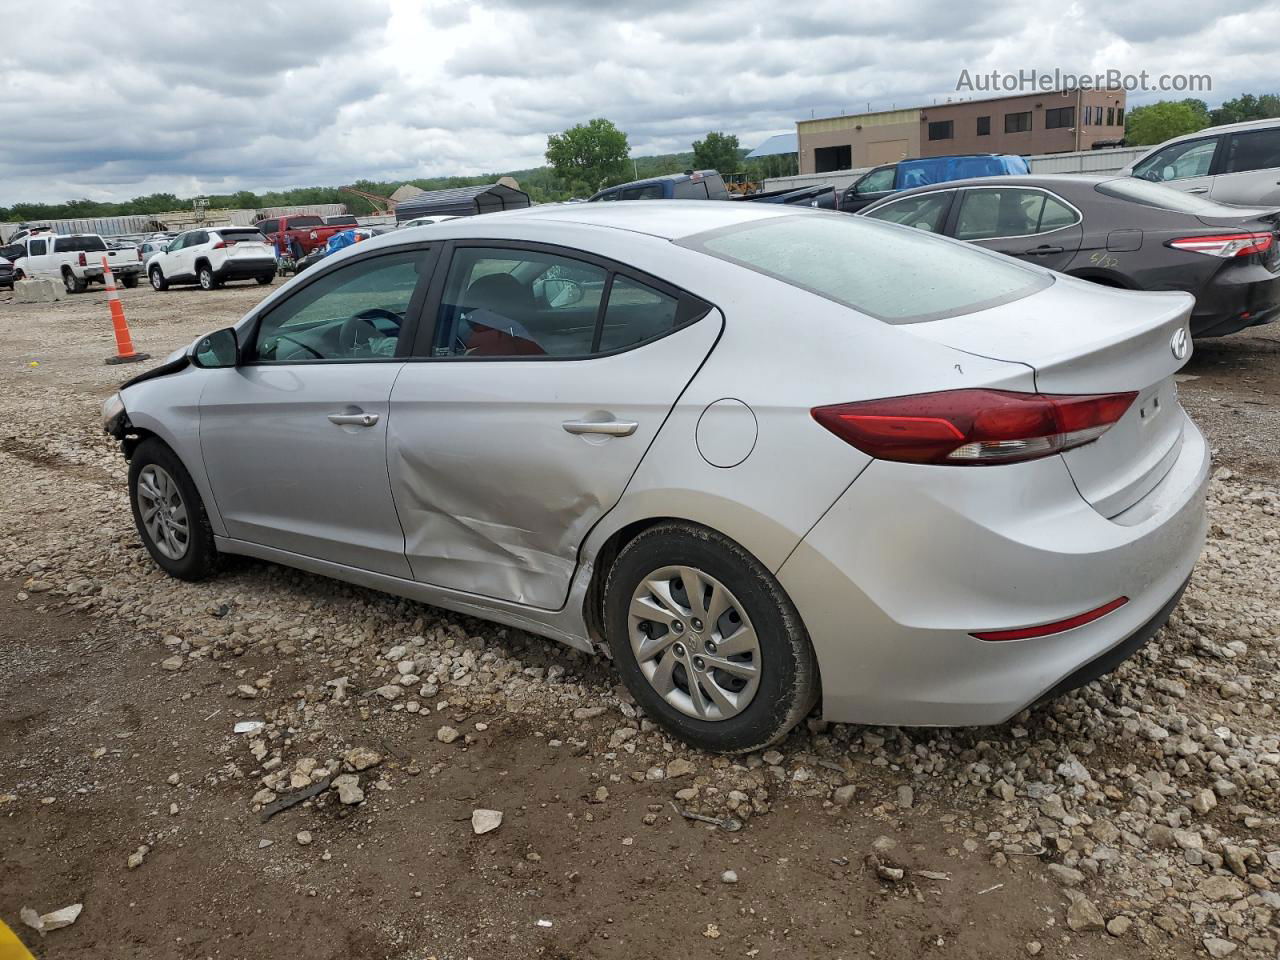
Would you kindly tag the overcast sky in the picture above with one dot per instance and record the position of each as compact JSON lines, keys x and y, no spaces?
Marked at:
{"x":219,"y":96}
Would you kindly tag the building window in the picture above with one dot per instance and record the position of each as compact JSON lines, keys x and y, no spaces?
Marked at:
{"x":942,"y":130}
{"x":1111,"y":116}
{"x":1017,"y":122}
{"x":1059,"y":117}
{"x":984,"y":126}
{"x":1120,"y":116}
{"x":826,"y":159}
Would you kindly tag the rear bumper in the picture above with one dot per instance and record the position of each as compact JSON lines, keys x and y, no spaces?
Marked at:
{"x":1234,"y":299}
{"x":911,"y":560}
{"x":244,"y":269}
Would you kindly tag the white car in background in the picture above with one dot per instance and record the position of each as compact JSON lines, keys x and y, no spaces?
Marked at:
{"x":425,"y":221}
{"x":211,"y":256}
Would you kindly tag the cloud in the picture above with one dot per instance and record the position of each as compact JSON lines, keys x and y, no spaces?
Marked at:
{"x":190,"y":98}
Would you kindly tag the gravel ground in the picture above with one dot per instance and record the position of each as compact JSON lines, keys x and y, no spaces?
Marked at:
{"x":1138,"y":817}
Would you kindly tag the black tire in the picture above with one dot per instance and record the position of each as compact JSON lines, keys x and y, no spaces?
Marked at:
{"x":130,"y":280}
{"x":266,"y":280}
{"x":788,"y":670}
{"x":205,"y":277}
{"x":201,"y":557}
{"x":73,"y":283}
{"x":157,"y":279}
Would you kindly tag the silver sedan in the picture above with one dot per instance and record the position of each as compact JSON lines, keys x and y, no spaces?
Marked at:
{"x":762,"y":457}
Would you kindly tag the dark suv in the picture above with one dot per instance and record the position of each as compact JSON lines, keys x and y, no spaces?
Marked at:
{"x":690,"y":185}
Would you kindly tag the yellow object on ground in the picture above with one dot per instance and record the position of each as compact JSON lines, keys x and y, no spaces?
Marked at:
{"x":11,"y":947}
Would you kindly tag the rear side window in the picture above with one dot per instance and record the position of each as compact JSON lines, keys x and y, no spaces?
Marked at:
{"x":1256,"y":150}
{"x":78,"y":244}
{"x":1007,"y":212}
{"x":648,"y":191}
{"x":892,"y":274}
{"x":636,"y":312}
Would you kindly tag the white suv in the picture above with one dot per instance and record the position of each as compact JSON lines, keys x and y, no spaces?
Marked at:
{"x":1235,"y":163}
{"x":211,"y":256}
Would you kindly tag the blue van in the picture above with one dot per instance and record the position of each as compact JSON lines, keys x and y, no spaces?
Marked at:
{"x":889,"y":178}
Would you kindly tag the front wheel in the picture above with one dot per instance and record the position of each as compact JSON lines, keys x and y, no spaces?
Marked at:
{"x":157,"y":279}
{"x":169,"y":513}
{"x":707,"y":641}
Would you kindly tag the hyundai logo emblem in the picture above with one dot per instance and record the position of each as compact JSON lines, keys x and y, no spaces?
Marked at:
{"x":1178,"y":343}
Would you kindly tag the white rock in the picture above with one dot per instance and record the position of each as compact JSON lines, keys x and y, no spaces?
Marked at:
{"x":482,"y":821}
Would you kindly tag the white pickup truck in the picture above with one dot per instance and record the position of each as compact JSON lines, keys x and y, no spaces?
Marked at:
{"x":76,"y":259}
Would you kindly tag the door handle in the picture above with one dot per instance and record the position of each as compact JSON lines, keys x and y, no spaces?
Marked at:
{"x":353,"y":419}
{"x":1198,"y":190}
{"x":1044,"y":251}
{"x":609,"y":428}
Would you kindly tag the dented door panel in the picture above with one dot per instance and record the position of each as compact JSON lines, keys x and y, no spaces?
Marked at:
{"x":494,"y":493}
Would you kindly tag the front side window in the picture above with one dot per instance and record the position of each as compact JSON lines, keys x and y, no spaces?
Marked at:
{"x":927,"y":211}
{"x":942,"y":130}
{"x":877,"y":181}
{"x":1256,"y":150}
{"x":354,"y":312}
{"x":1192,"y":158}
{"x":1017,"y":122}
{"x":891,"y":274}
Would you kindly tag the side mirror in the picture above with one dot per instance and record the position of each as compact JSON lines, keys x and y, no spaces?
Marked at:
{"x":217,"y":350}
{"x":562,"y":292}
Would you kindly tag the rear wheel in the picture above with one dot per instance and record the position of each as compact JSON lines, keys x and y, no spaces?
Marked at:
{"x":73,"y":283}
{"x":130,"y":280}
{"x":265,"y":280}
{"x":205,"y":277}
{"x":157,"y":279}
{"x":169,"y":513}
{"x":707,"y":641}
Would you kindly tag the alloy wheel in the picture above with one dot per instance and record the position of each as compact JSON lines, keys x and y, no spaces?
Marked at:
{"x":694,"y":643}
{"x":164,"y":514}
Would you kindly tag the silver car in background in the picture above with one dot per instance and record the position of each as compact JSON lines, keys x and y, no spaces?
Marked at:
{"x":760,"y":455}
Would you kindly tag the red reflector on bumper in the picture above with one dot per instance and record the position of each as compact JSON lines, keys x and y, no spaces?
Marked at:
{"x":1058,"y":626}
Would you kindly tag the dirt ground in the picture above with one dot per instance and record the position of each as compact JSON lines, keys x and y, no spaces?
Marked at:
{"x":102,"y":750}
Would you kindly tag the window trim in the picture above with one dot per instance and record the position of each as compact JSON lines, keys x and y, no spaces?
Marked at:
{"x":1019,"y":113}
{"x":902,"y":197}
{"x":688,"y":305}
{"x":1014,"y":236}
{"x":252,"y":326}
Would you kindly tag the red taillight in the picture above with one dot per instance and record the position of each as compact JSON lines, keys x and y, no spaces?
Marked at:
{"x":1058,"y":626}
{"x":1226,"y":245}
{"x":220,"y":245}
{"x":83,"y":262}
{"x":138,"y":250}
{"x":973,"y":427}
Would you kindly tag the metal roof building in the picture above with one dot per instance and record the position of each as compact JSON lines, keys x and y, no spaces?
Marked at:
{"x":463,"y":201}
{"x":779,"y":143}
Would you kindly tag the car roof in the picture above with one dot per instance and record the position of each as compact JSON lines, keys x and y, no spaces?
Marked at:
{"x":1216,"y":131}
{"x":669,"y":219}
{"x":1045,"y":180}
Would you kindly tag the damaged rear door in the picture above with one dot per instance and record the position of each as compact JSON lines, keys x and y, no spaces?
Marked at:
{"x":531,"y":400}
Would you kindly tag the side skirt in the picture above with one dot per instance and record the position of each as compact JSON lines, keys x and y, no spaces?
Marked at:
{"x":564,"y":626}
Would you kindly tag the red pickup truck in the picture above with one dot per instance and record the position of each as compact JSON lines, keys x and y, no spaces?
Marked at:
{"x":298,"y":235}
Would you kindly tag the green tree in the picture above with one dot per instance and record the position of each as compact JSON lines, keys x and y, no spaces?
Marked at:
{"x":1248,"y":107}
{"x":1157,"y":122}
{"x":719,"y":152}
{"x":592,"y":154}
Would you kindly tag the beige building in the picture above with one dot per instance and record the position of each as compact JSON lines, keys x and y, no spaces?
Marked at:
{"x":1055,"y":122}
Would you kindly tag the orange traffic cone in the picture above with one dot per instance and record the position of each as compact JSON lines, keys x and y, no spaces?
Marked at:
{"x":124,"y":343}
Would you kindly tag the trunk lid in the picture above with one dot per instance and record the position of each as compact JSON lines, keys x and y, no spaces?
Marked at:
{"x":1081,"y":338}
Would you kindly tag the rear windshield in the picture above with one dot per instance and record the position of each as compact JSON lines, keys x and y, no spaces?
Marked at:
{"x":347,"y":221}
{"x":78,"y":244}
{"x":895,"y":274}
{"x":242,"y":236}
{"x":1166,"y":198}
{"x":305,"y":222}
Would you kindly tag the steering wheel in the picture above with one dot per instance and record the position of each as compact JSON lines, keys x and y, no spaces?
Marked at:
{"x":349,"y":333}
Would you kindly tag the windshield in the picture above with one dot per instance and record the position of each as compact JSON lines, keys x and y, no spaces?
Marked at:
{"x":1167,"y":198}
{"x":895,"y":274}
